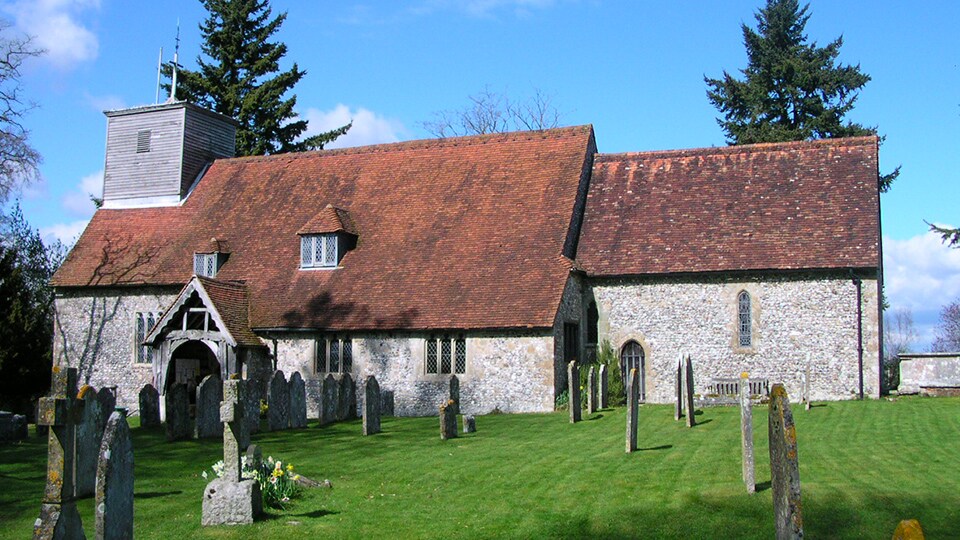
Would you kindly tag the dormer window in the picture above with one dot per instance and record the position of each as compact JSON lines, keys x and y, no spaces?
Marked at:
{"x":207,"y":264}
{"x":319,"y":251}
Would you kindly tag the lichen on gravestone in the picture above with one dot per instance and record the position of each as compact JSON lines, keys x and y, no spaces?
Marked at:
{"x":746,"y":435}
{"x":115,"y":478}
{"x":784,"y":466}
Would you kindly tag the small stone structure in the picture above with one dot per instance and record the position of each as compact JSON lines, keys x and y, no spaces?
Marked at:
{"x":149,"y":400}
{"x":455,"y":392}
{"x":633,"y":409}
{"x":278,"y":402}
{"x":114,"y":503}
{"x":251,"y":405}
{"x":448,"y":420}
{"x":209,"y":396}
{"x":469,"y":423}
{"x":58,"y":512}
{"x":230,"y":500}
{"x":178,"y":413}
{"x":13,"y":427}
{"x":107,"y":396}
{"x":573,"y":391}
{"x":604,"y":387}
{"x":688,"y":391}
{"x":87,"y":441}
{"x":784,"y":466}
{"x":592,"y":391}
{"x":329,"y":401}
{"x":298,"y":401}
{"x":930,"y":374}
{"x":678,"y":394}
{"x":746,"y":434}
{"x":346,"y":398}
{"x":371,"y":406}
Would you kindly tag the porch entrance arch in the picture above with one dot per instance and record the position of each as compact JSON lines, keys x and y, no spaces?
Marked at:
{"x":190,"y":362}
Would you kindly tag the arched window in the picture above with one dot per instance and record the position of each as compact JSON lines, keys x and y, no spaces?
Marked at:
{"x":631,"y":357}
{"x":593,"y":320}
{"x":743,"y":319}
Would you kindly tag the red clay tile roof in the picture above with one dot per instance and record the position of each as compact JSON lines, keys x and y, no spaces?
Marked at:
{"x":454,"y":233}
{"x":230,"y":302}
{"x":330,"y":220}
{"x":803,"y":205}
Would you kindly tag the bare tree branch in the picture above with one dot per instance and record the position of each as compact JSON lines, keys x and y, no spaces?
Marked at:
{"x":19,"y":161}
{"x":492,"y":112}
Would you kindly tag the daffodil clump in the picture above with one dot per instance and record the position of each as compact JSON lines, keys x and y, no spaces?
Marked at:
{"x":278,"y":483}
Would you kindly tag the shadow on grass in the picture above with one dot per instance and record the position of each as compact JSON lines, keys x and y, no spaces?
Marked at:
{"x":315,"y":514}
{"x":661,"y":447}
{"x":763,"y":486}
{"x":703,"y":422}
{"x":595,"y":417}
{"x":155,"y":494}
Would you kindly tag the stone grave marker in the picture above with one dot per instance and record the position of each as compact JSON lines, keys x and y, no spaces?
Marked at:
{"x":251,"y":405}
{"x":469,"y":423}
{"x":230,"y":500}
{"x":329,"y":401}
{"x":178,"y":413}
{"x":371,"y":406}
{"x":688,"y":391}
{"x":107,"y":397}
{"x":455,"y":392}
{"x":386,"y":402}
{"x":573,"y":391}
{"x":746,"y":434}
{"x":278,"y":402}
{"x":149,"y":406}
{"x":346,"y":398}
{"x":13,"y":427}
{"x":448,"y":420}
{"x":114,"y":502}
{"x":87,"y":442}
{"x":209,"y":396}
{"x":592,"y":390}
{"x":58,"y":410}
{"x":298,"y":401}
{"x":678,"y":402}
{"x":633,"y":409}
{"x":784,"y":466}
{"x":604,"y":387}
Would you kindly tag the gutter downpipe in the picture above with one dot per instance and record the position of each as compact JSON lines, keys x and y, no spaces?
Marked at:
{"x":859,"y":285}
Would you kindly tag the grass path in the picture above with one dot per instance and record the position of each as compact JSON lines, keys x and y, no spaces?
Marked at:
{"x":864,"y":466}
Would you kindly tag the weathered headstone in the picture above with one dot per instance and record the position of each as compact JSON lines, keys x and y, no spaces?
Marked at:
{"x":604,"y":387}
{"x":371,"y":406}
{"x":149,"y":406}
{"x":114,"y":503}
{"x":386,"y":402}
{"x":254,"y":455}
{"x":688,"y":391}
{"x":298,"y":401}
{"x":278,"y":402}
{"x":469,"y":423}
{"x":592,"y":391}
{"x":178,"y":413}
{"x":746,"y":434}
{"x":633,"y":409}
{"x":13,"y":427}
{"x":678,"y":402}
{"x":455,"y":392}
{"x":784,"y":466}
{"x":448,"y":420}
{"x":58,"y":512}
{"x":346,"y":398}
{"x":251,"y":405}
{"x":573,"y":391}
{"x":209,"y":396}
{"x":230,"y":500}
{"x":329,"y":401}
{"x":87,"y":442}
{"x":107,"y":396}
{"x":908,"y":529}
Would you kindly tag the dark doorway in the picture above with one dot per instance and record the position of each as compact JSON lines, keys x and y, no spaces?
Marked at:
{"x":189,"y":364}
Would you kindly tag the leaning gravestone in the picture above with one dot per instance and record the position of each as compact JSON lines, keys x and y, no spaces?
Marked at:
{"x":58,"y":512}
{"x":592,"y":389}
{"x":746,"y":434}
{"x":455,"y":392}
{"x":278,"y":402}
{"x":230,"y":500}
{"x":784,"y":466}
{"x":346,"y":398}
{"x":114,"y":503}
{"x":149,"y":406}
{"x":469,"y":423}
{"x":604,"y":387}
{"x":448,"y":420}
{"x":107,"y":396}
{"x":251,"y":405}
{"x":209,"y":396}
{"x":87,"y":442}
{"x":178,"y":413}
{"x":573,"y":391}
{"x":329,"y":401}
{"x":688,"y":391}
{"x":633,"y":412}
{"x":678,"y":402}
{"x":298,"y":401}
{"x":371,"y":406}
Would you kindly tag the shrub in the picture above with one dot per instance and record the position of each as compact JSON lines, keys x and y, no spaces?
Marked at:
{"x":616,"y":393}
{"x":278,"y":484}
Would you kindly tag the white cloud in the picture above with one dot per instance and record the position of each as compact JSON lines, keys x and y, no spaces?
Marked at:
{"x":106,"y":103}
{"x":484,"y":8}
{"x":65,"y":232}
{"x":77,"y":201}
{"x":56,"y":28}
{"x":368,"y":127}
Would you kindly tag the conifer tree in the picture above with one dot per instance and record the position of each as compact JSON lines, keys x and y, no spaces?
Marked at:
{"x":792,"y":89}
{"x":240,"y":77}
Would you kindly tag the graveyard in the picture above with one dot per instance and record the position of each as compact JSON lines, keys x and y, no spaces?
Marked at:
{"x":863,"y":465}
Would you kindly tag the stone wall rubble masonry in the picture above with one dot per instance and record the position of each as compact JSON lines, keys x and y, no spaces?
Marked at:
{"x":669,"y":315}
{"x":115,"y":476}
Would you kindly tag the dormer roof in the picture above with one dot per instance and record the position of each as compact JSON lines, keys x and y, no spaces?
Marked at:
{"x":330,"y":220}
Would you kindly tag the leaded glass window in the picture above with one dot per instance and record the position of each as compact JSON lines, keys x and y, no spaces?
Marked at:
{"x":461,"y":356}
{"x":632,"y":357}
{"x":334,"y":355}
{"x":446,"y":355}
{"x":347,"y":355}
{"x":143,"y":324}
{"x":318,"y":251}
{"x":205,"y":264}
{"x":431,"y":356}
{"x":743,"y":319}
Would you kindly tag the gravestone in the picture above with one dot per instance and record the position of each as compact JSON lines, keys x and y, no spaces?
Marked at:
{"x":455,"y":392}
{"x":13,"y":427}
{"x":346,"y":398}
{"x":251,"y":405}
{"x":604,"y":387}
{"x":149,"y":406}
{"x":678,"y":402}
{"x":908,"y":529}
{"x":386,"y":402}
{"x":573,"y":391}
{"x":209,"y":396}
{"x":806,"y":385}
{"x":329,"y":401}
{"x":371,"y":406}
{"x":58,"y":411}
{"x":469,"y":423}
{"x":746,"y":434}
{"x":448,"y":420}
{"x":688,"y":391}
{"x":278,"y":402}
{"x":633,"y":409}
{"x":107,"y":397}
{"x":298,"y":401}
{"x":230,"y":500}
{"x":178,"y":413}
{"x":87,"y":442}
{"x":254,"y":456}
{"x":784,"y":466}
{"x":114,"y":502}
{"x":592,"y":390}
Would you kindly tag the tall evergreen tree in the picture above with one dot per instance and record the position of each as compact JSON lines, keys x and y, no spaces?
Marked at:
{"x":240,"y":77}
{"x":792,"y":89}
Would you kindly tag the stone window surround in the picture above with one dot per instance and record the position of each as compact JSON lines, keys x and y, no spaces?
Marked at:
{"x":646,"y":378}
{"x":142,"y":324}
{"x":323,"y":343}
{"x":452,"y":338}
{"x":733,"y":291}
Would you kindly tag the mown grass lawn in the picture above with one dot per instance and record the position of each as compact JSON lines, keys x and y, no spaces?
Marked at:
{"x":864,"y":466}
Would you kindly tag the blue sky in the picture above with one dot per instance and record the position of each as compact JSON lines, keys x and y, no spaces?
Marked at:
{"x":632,"y":69}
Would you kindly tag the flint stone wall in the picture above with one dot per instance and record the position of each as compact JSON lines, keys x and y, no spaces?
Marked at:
{"x":699,"y":317}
